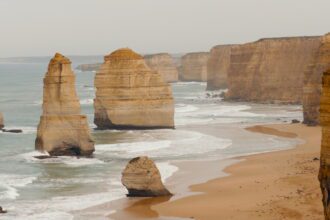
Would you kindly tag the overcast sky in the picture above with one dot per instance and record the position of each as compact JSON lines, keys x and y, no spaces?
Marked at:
{"x":92,"y":27}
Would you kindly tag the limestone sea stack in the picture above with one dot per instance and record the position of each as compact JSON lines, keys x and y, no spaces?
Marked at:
{"x":142,"y":179}
{"x":270,"y":70}
{"x":2,"y":124}
{"x":129,"y":95}
{"x":62,"y":130}
{"x":324,"y":173}
{"x":313,"y":82}
{"x":194,"y":67}
{"x":218,"y":66}
{"x":164,"y":64}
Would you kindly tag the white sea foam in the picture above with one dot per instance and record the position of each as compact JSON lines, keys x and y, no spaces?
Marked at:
{"x":185,"y":108}
{"x":10,"y":183}
{"x":190,"y":83}
{"x":166,"y":170}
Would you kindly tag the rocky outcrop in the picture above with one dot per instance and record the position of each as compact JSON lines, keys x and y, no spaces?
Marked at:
{"x":218,"y":66}
{"x":324,"y":173}
{"x":194,"y":67}
{"x":270,"y":70}
{"x":164,"y":64}
{"x":313,"y":82}
{"x":2,"y":124}
{"x":88,"y":67}
{"x":129,"y":95}
{"x":62,"y":129}
{"x":142,"y":179}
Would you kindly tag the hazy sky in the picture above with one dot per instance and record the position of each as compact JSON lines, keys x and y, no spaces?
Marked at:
{"x":87,"y":27}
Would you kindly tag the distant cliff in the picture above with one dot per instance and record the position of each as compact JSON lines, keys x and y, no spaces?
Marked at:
{"x":164,"y":64}
{"x":218,"y":66}
{"x":89,"y":67}
{"x":194,"y":67}
{"x":313,"y":82}
{"x":270,"y":70}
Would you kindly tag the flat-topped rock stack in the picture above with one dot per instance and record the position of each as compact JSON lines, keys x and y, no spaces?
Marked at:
{"x":270,"y":70}
{"x":194,"y":67}
{"x":129,"y":95}
{"x":217,"y":67}
{"x":141,"y":177}
{"x":2,"y":124}
{"x":324,"y":173}
{"x":62,"y":130}
{"x":313,"y":82}
{"x":164,"y":64}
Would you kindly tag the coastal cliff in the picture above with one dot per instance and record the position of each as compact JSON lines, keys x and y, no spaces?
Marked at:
{"x":313,"y":82}
{"x":270,"y":70}
{"x":129,"y":95}
{"x":164,"y":64}
{"x":194,"y":67}
{"x":88,"y":67}
{"x":62,"y":129}
{"x":218,"y":66}
{"x":324,"y":173}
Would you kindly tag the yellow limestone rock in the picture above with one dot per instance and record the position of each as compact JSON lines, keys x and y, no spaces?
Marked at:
{"x":164,"y":64}
{"x":129,"y":95}
{"x":142,"y":179}
{"x":194,"y":67}
{"x":62,"y":129}
{"x":313,"y":82}
{"x":324,"y":173}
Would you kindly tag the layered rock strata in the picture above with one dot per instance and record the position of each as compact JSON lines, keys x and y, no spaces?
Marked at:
{"x":88,"y":67}
{"x":194,"y":67}
{"x":217,"y":67}
{"x":2,"y":124}
{"x":313,"y":82}
{"x":62,"y":129}
{"x":129,"y":95}
{"x":324,"y":173}
{"x":164,"y":64}
{"x":270,"y":70}
{"x":142,"y":179}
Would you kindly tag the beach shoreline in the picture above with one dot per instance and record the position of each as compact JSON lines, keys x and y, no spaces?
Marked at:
{"x":274,"y":185}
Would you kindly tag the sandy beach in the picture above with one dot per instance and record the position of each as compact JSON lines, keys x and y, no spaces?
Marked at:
{"x":276,"y":185}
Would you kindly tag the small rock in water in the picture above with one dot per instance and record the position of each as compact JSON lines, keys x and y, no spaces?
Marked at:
{"x":141,"y":177}
{"x":42,"y":157}
{"x":2,"y":211}
{"x":295,"y":121}
{"x":12,"y":130}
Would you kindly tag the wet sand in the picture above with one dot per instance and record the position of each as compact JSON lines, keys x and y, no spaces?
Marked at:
{"x":276,"y":185}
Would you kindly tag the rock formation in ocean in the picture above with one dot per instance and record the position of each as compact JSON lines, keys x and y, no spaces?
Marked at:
{"x":194,"y":67}
{"x":62,"y":129}
{"x":142,"y":179}
{"x":88,"y":67}
{"x":218,"y":66}
{"x":313,"y":82}
{"x":324,"y":173}
{"x":270,"y":70}
{"x":164,"y":64}
{"x":2,"y":124}
{"x":129,"y":95}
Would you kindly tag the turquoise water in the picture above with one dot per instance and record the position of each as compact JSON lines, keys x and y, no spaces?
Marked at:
{"x":53,"y":188}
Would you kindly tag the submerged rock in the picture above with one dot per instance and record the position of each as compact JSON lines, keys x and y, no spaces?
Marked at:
{"x":2,"y":124}
{"x":142,"y":179}
{"x":324,"y":173}
{"x":12,"y":130}
{"x":194,"y":67}
{"x":2,"y":211}
{"x":164,"y":64}
{"x":62,"y":129}
{"x":129,"y":95}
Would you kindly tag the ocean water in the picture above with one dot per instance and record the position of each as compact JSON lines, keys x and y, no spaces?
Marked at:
{"x":206,"y":128}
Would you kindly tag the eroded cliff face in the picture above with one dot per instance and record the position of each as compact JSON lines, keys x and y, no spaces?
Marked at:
{"x":62,"y":129}
{"x":324,"y":173}
{"x":194,"y":67}
{"x":313,"y":82}
{"x":164,"y":64}
{"x":218,"y":66}
{"x":129,"y":95}
{"x":270,"y":70}
{"x":2,"y":124}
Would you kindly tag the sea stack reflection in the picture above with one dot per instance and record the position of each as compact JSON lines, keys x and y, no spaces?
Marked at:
{"x":62,"y":129}
{"x":129,"y":95}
